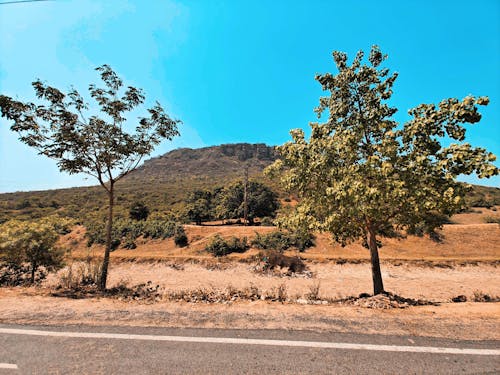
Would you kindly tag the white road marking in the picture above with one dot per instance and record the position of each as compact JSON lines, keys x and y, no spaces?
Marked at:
{"x":241,"y":341}
{"x":9,"y":366}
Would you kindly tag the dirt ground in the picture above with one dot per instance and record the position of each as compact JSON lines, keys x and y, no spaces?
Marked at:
{"x":468,"y":321}
{"x":335,"y":281}
{"x":466,"y":262}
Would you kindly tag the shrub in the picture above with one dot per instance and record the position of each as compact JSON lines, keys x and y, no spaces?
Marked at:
{"x":129,"y":244}
{"x":17,"y":275}
{"x":267,"y":221}
{"x":492,"y":219}
{"x":79,"y":275}
{"x":218,"y":246}
{"x":273,"y":259}
{"x":30,"y":242}
{"x":180,"y":237}
{"x":138,"y":211}
{"x":127,"y":231}
{"x":281,"y":241}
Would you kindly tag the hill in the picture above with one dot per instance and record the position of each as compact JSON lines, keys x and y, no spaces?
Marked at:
{"x":163,"y":183}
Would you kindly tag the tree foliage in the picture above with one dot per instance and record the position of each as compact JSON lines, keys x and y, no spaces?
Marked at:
{"x":97,"y":144}
{"x":361,"y":175}
{"x":32,"y":242}
{"x":262,"y":201}
{"x":138,"y":211}
{"x":199,"y":206}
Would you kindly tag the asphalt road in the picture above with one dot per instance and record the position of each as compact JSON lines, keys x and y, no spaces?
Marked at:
{"x":134,"y":350}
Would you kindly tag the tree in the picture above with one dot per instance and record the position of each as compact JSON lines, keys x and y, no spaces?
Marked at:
{"x":199,"y":206}
{"x":97,"y":145}
{"x":31,"y":242}
{"x":261,"y":201}
{"x":139,"y":211}
{"x":361,"y":176}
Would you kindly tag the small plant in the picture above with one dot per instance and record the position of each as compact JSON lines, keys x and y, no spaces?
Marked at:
{"x":180,"y":237}
{"x":492,"y":219}
{"x":479,"y":296}
{"x":267,"y":221}
{"x":313,"y":294}
{"x":218,"y":246}
{"x":273,"y":259}
{"x":82,"y":274}
{"x":278,"y":293}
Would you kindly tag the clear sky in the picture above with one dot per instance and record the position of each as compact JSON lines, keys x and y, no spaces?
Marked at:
{"x":243,"y":71}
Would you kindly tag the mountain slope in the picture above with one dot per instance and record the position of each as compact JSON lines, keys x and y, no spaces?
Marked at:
{"x":163,"y":183}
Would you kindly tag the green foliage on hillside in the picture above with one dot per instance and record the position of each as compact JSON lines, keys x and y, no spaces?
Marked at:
{"x":162,"y":184}
{"x":126,"y":231}
{"x":166,"y":194}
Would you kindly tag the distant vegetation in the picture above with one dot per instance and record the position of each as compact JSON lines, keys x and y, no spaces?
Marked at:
{"x":163,"y":184}
{"x":167,"y":195}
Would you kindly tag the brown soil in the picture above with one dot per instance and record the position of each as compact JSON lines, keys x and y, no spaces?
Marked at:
{"x":477,"y":215}
{"x":465,"y":262}
{"x":475,"y":321}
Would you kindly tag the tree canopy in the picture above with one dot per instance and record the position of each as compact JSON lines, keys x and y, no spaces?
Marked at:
{"x":261,"y":201}
{"x":97,"y":144}
{"x":361,"y":175}
{"x":32,"y":242}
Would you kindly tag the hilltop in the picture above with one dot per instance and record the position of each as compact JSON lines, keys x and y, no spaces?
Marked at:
{"x":224,"y":161}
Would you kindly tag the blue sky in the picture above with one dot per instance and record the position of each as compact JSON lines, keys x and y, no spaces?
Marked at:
{"x":242,"y":71}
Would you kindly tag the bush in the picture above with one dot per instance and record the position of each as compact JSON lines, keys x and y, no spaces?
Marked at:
{"x":281,"y":241}
{"x":79,"y":275}
{"x":180,"y":238}
{"x":273,"y":259}
{"x":18,"y":275}
{"x":267,"y":221}
{"x":32,"y":242}
{"x":126,"y":231}
{"x":138,"y":211}
{"x":218,"y":246}
{"x":492,"y":219}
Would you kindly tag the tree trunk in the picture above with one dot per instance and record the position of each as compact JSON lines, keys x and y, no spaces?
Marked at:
{"x":378,"y":286}
{"x":33,"y":270}
{"x":109,"y":229}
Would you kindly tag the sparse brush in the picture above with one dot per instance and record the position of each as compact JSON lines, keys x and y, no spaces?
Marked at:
{"x":278,"y":293}
{"x":492,"y":219}
{"x":313,"y":294}
{"x":479,"y":296}
{"x":228,"y":294}
{"x":79,"y":275}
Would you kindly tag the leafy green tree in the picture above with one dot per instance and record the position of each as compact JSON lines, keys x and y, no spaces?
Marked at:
{"x":361,"y":176}
{"x":199,"y":206}
{"x":31,"y":242}
{"x":139,"y":211}
{"x":262,"y":201}
{"x":97,"y":145}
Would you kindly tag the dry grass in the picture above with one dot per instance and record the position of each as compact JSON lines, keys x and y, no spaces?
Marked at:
{"x":476,"y":216}
{"x":461,"y":243}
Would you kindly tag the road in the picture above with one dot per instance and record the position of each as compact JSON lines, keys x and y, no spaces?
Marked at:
{"x":139,"y":350}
